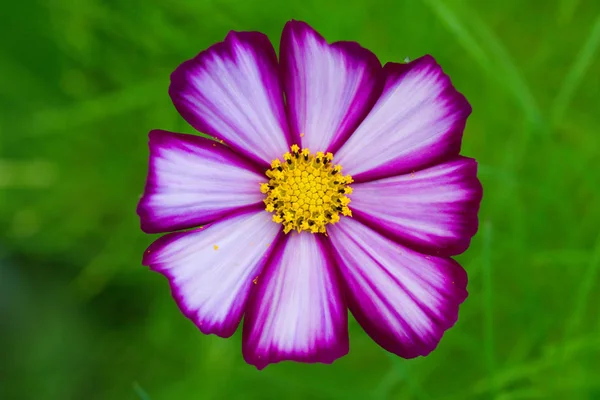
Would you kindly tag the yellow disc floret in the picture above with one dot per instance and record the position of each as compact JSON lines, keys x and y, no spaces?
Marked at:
{"x":306,"y":192}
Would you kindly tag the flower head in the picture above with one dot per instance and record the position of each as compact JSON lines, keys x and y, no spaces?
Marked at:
{"x":334,"y":183}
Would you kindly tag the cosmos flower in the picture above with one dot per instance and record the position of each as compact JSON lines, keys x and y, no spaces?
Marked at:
{"x":334,"y":183}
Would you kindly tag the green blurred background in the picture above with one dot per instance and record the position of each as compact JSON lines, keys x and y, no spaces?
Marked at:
{"x":82,"y":83}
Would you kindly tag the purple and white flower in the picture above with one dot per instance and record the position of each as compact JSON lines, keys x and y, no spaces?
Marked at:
{"x":286,"y":240}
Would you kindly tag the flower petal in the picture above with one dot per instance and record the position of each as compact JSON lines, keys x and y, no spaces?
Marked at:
{"x":211,"y":269}
{"x":232,"y":91}
{"x":403,"y":300}
{"x":193,"y":181}
{"x":418,"y":121}
{"x":433,"y":210}
{"x":297,"y":311}
{"x":329,"y":88}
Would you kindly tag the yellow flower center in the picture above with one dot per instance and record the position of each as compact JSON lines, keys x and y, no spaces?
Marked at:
{"x":306,"y":192}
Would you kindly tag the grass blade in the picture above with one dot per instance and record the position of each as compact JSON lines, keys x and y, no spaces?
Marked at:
{"x":140,"y":392}
{"x":497,"y":57}
{"x":585,"y":290}
{"x":488,"y":308}
{"x":459,"y":29}
{"x":576,"y":74}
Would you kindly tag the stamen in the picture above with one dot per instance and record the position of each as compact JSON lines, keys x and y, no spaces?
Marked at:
{"x":302,"y":193}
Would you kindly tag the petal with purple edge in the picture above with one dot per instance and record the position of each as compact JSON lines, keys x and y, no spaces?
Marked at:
{"x":404,"y":300}
{"x":211,"y":270}
{"x":193,"y":181}
{"x":329,"y":87}
{"x":297,"y":311}
{"x":433,"y":210}
{"x":417,"y":121}
{"x":232,"y":91}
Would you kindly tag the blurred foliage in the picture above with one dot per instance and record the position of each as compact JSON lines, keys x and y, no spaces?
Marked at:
{"x":81,"y":84}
